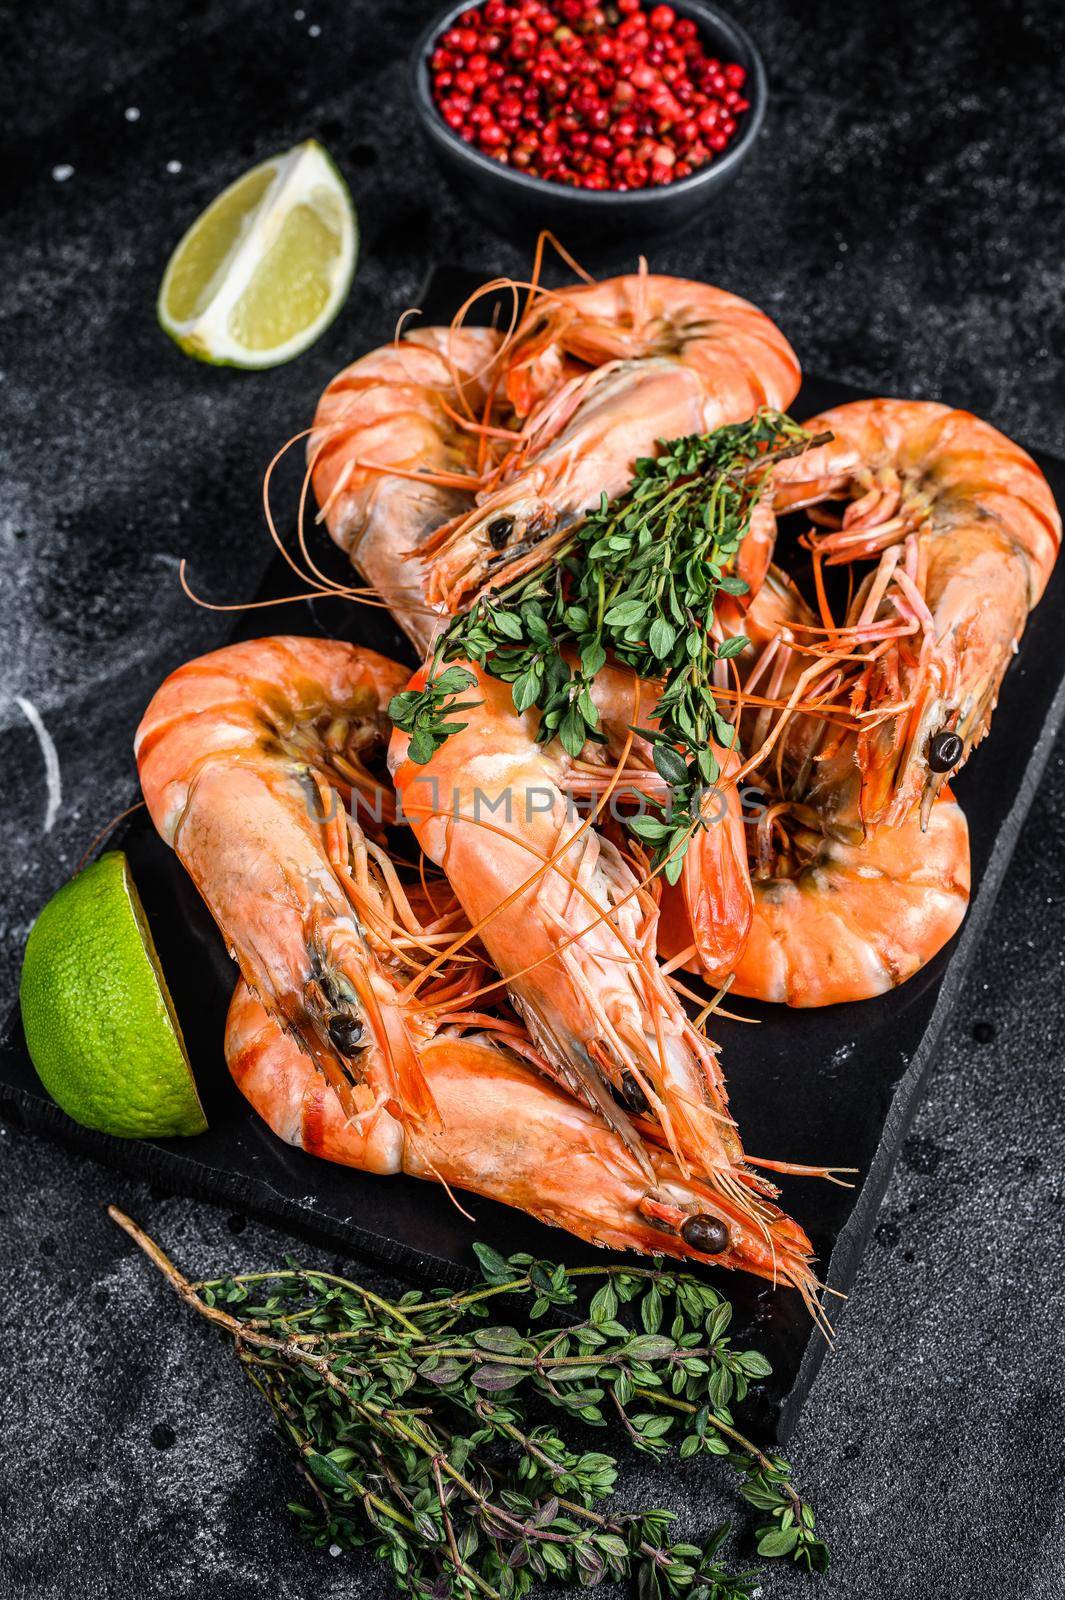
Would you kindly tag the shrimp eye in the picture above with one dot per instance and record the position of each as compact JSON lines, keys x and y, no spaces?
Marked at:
{"x":708,"y":1235}
{"x":945,"y":751}
{"x":346,"y":1032}
{"x":499,"y":531}
{"x":630,"y":1094}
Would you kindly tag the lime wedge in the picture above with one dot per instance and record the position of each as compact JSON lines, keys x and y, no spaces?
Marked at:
{"x":266,"y":267}
{"x":97,"y":1014}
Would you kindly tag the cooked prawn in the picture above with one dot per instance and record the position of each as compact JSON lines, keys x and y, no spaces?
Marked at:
{"x":246,"y":756}
{"x":570,"y":928}
{"x":741,"y":357}
{"x":391,"y":460}
{"x":601,"y":372}
{"x":836,"y":921}
{"x":966,"y":531}
{"x":840,"y":912}
{"x":508,"y":1133}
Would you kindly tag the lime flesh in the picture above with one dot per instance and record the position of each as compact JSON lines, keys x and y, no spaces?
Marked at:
{"x":265,"y":269}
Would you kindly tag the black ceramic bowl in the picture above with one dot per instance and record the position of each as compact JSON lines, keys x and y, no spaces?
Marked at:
{"x":512,"y":202}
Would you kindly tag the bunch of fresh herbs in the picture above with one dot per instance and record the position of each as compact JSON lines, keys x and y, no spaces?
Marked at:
{"x":636,"y":582}
{"x":424,"y":1432}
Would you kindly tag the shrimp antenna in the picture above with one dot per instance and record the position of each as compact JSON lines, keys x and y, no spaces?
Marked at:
{"x":107,"y":828}
{"x":545,"y":238}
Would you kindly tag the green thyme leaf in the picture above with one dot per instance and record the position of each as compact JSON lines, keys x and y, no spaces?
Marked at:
{"x":779,"y":1542}
{"x":670,"y":764}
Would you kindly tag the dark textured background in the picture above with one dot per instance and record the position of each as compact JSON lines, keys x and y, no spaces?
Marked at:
{"x":901,"y":220}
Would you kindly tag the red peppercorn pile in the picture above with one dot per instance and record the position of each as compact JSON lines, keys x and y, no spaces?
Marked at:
{"x":595,"y":96}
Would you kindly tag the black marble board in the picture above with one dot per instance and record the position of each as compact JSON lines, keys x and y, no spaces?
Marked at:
{"x":837,"y":1086}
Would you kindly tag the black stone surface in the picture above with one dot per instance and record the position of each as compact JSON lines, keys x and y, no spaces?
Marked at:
{"x":901,"y":219}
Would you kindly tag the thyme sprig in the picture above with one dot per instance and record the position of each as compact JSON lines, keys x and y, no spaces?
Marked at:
{"x":637,"y":581}
{"x":420,"y":1430}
